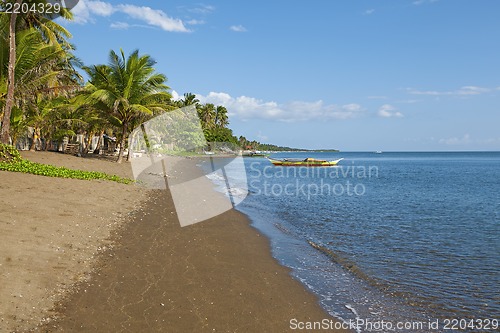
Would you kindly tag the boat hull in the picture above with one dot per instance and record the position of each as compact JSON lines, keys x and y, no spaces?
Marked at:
{"x":304,"y":163}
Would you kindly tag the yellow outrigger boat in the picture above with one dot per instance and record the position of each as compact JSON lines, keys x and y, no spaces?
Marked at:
{"x":308,"y":162}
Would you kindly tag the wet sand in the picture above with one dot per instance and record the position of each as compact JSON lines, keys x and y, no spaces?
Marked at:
{"x":153,"y":276}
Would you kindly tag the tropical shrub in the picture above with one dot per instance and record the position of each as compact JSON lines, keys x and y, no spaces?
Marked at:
{"x":11,"y":160}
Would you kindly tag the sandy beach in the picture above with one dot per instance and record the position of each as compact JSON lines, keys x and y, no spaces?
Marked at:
{"x":97,"y":256}
{"x":51,"y":230}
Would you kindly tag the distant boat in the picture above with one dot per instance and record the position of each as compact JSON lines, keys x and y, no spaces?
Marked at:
{"x":378,"y":152}
{"x":308,"y":162}
{"x":255,"y":153}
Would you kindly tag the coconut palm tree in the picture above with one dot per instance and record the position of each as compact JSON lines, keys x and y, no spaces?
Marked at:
{"x":207,"y":115}
{"x":221,"y":119}
{"x":190,"y":99}
{"x":42,"y":72}
{"x":130,"y":89}
{"x":51,"y":33}
{"x":9,"y":102}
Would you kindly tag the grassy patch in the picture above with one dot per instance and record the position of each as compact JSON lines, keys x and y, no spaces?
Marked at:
{"x":11,"y":160}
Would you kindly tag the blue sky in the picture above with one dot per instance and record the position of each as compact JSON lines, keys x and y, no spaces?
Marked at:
{"x":354,"y":75}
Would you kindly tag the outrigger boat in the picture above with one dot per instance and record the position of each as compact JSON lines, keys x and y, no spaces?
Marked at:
{"x":308,"y":162}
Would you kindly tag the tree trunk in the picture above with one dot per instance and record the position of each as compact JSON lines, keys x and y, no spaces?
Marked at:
{"x":122,"y":143}
{"x":36,"y":138}
{"x":48,"y":144}
{"x":5,"y":133}
{"x":99,"y":143}
{"x":89,"y":143}
{"x":128,"y":154}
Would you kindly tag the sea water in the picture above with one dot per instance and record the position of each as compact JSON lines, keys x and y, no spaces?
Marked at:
{"x":402,"y":238}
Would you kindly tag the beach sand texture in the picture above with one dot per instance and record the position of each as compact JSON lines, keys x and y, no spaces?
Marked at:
{"x":92,"y":258}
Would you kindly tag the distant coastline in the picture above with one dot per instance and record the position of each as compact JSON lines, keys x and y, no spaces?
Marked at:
{"x":275,"y":148}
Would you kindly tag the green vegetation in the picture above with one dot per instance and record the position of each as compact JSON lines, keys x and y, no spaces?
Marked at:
{"x":11,"y":160}
{"x":128,"y":90}
{"x":255,"y":145}
{"x":36,"y":61}
{"x":270,"y":147}
{"x":214,"y":119}
{"x":9,"y":154}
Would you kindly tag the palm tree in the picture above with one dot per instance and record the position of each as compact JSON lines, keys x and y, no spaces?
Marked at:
{"x":190,"y":99}
{"x":221,"y":119}
{"x":93,"y":112}
{"x":51,"y":32}
{"x":129,"y":88}
{"x":206,"y":113}
{"x":4,"y":133}
{"x":42,"y":72}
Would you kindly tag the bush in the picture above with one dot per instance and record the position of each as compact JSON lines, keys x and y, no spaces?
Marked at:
{"x":9,"y":153}
{"x":11,"y":160}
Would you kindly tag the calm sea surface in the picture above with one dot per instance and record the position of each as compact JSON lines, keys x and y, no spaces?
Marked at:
{"x":401,"y":237}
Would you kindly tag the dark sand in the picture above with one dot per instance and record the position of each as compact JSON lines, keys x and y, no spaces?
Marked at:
{"x":214,"y":276}
{"x":51,"y":230}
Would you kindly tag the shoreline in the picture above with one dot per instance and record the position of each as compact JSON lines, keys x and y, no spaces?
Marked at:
{"x":219,"y":274}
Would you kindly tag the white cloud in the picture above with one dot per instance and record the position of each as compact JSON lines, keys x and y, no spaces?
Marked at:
{"x":201,"y":9}
{"x":176,"y":96}
{"x":120,"y":25}
{"x":238,"y":28}
{"x":369,"y":11}
{"x":352,"y":107}
{"x":389,"y":111}
{"x":86,"y":10}
{"x":244,"y":107}
{"x":456,"y":141}
{"x":464,"y":91}
{"x":101,"y":8}
{"x":153,"y":17}
{"x":218,"y":98}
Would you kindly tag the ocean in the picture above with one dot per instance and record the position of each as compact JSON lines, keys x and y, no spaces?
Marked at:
{"x":405,"y":240}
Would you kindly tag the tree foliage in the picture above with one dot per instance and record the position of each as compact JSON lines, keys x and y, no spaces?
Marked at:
{"x":129,"y":89}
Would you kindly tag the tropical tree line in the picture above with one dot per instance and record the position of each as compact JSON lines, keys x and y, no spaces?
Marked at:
{"x":214,"y":119}
{"x":42,"y":89}
{"x":37,"y":67}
